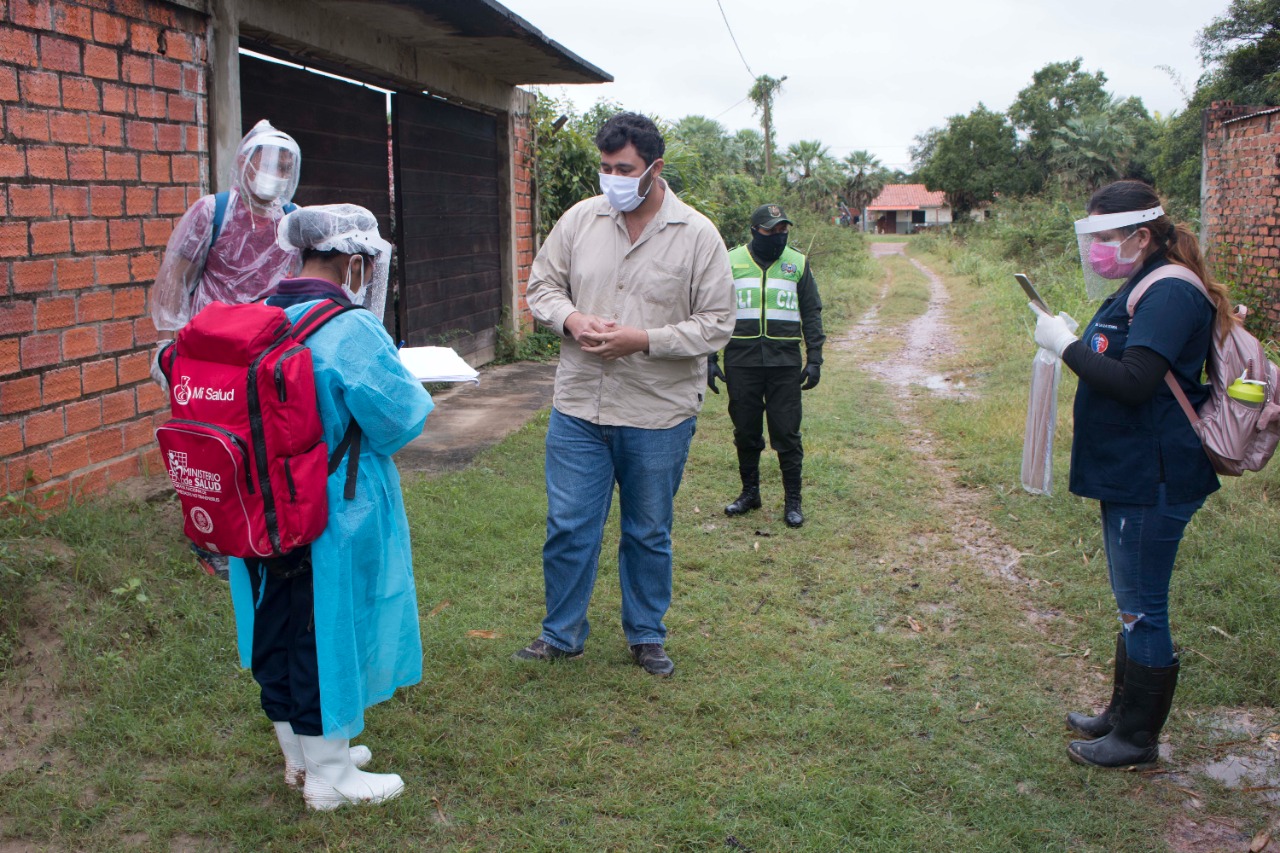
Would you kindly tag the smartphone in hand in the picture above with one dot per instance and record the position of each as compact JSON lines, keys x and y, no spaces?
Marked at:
{"x":1029,"y":289}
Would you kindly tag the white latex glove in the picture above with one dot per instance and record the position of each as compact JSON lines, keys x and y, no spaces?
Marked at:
{"x":156,"y":373}
{"x":1053,"y":333}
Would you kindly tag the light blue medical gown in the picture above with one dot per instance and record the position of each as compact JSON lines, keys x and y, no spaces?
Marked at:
{"x":366,"y":608}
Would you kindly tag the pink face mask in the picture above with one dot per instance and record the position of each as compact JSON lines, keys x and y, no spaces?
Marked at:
{"x":1104,"y":259}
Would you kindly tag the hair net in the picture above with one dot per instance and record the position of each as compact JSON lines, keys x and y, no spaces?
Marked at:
{"x":268,"y":164}
{"x":346,"y":228}
{"x":1088,"y":232}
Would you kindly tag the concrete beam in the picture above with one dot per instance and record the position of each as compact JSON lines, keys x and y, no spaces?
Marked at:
{"x":224,"y":91}
{"x":295,"y":26}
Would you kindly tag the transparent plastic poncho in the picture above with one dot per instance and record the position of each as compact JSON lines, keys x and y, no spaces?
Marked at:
{"x":1042,"y":419}
{"x":245,"y":262}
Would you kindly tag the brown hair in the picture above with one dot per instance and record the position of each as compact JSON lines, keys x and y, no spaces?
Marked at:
{"x":1173,"y":240}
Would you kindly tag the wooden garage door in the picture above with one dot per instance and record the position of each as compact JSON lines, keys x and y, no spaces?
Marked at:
{"x":446,"y":177}
{"x":342,"y":130}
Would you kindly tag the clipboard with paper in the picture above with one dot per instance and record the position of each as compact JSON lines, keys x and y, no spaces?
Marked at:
{"x":437,"y":364}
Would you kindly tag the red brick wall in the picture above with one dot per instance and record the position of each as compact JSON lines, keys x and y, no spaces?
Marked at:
{"x":524,"y":201}
{"x":104,"y":117}
{"x":1241,"y":204}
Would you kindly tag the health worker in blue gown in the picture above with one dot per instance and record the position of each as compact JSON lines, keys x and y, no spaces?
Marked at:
{"x":332,"y":628}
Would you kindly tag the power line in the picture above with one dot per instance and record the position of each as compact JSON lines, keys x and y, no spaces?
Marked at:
{"x":740,"y":103}
{"x":735,"y":42}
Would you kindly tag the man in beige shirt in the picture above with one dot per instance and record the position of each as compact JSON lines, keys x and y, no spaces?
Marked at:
{"x":639,"y":286}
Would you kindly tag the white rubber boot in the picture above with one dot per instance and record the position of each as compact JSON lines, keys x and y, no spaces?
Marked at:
{"x":295,"y":769}
{"x":332,"y":780}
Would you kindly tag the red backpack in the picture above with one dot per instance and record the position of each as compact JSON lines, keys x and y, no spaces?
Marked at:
{"x":245,"y":448}
{"x":1237,"y":436}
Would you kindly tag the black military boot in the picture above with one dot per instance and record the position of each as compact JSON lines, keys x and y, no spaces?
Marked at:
{"x":1096,"y":727}
{"x":1134,"y":741}
{"x":791,"y":513}
{"x":750,"y":497}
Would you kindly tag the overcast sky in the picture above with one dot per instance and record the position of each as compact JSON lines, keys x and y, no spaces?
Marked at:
{"x":866,"y":75}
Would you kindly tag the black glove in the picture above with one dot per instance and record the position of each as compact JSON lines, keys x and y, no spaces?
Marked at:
{"x":714,"y":372}
{"x":810,"y":376}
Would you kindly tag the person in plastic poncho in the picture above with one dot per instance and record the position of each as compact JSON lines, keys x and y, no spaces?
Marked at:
{"x":332,"y":628}
{"x":1133,"y":449}
{"x":242,"y":262}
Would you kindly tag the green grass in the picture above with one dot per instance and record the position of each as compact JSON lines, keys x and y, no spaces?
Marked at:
{"x":807,"y":711}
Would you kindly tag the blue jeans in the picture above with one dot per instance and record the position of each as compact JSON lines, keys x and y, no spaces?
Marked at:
{"x":584,"y":460}
{"x":1141,"y":544}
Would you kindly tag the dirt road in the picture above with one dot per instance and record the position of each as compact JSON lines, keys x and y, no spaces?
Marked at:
{"x":920,"y":365}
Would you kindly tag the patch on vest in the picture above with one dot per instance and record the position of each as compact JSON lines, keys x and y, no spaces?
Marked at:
{"x":1099,"y":342}
{"x":788,"y":269}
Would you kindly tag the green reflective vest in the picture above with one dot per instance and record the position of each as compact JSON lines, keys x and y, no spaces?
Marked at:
{"x":767,"y":301}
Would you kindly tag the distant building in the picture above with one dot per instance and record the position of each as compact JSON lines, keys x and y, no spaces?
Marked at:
{"x":905,"y":209}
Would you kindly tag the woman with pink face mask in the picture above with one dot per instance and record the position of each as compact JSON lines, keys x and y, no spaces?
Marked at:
{"x":1133,"y":448}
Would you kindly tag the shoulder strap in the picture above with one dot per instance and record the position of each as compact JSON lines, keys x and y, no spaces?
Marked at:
{"x":1167,"y":271}
{"x":328,"y":308}
{"x":1139,"y":290}
{"x":289,"y":207}
{"x":350,"y":443}
{"x":220,"y":201}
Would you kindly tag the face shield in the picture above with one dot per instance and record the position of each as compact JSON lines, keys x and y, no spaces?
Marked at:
{"x":268,"y":164}
{"x":1107,"y":255}
{"x":351,"y":230}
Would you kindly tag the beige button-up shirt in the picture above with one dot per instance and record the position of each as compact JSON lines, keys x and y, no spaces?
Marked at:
{"x":674,"y":282}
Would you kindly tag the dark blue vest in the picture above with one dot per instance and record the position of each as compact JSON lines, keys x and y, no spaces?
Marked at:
{"x":1121,"y":452}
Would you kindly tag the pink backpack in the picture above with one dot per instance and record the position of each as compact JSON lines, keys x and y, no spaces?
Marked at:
{"x":245,"y":448}
{"x":1237,"y":436}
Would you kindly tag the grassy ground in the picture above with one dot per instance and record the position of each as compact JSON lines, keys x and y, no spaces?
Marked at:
{"x":859,"y":684}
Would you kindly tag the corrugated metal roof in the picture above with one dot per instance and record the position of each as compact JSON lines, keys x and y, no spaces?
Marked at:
{"x":907,"y":197}
{"x":1253,"y":115}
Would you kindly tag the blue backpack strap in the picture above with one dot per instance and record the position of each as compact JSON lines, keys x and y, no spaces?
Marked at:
{"x":220,"y":201}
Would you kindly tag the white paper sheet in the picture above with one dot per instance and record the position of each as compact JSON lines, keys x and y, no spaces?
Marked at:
{"x":437,"y":364}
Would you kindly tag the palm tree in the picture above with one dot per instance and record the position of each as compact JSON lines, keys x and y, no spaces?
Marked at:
{"x":864,"y":178}
{"x":748,"y":149}
{"x":1090,"y":150}
{"x":762,"y":93}
{"x":803,"y":157}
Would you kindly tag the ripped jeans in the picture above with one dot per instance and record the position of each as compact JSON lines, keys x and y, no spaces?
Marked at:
{"x":1141,"y":544}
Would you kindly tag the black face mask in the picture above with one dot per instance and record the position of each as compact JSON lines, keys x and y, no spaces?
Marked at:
{"x":767,"y":247}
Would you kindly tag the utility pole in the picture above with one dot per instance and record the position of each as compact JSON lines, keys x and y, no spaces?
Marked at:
{"x":762,"y":93}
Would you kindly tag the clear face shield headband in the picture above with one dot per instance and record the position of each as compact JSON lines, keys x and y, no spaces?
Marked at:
{"x":270,"y":168}
{"x":1106,"y":254}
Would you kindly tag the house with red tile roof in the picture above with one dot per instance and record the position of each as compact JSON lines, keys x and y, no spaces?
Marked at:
{"x":906,"y":208}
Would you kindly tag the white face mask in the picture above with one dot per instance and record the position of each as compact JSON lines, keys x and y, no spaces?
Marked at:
{"x":356,"y":296}
{"x":623,"y":193}
{"x":269,"y":187}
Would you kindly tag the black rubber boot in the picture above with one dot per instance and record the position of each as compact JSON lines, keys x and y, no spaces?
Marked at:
{"x":1144,"y":707}
{"x":750,"y":497}
{"x":1096,"y":727}
{"x":791,"y":513}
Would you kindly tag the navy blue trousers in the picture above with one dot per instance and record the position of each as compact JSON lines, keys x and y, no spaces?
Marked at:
{"x":284,"y":642}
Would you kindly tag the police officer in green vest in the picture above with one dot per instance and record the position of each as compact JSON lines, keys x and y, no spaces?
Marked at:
{"x":778,"y":310}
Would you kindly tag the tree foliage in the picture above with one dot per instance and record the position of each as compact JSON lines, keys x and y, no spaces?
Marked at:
{"x":975,"y":158}
{"x":1241,"y":51}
